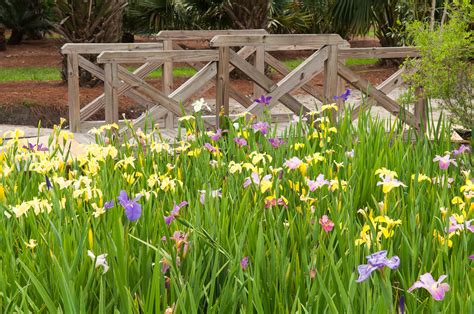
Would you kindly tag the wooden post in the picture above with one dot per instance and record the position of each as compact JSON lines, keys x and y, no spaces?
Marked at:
{"x":259,"y":63}
{"x":420,"y":109}
{"x":111,"y":92}
{"x":168,"y":82}
{"x":73,"y":92}
{"x":330,"y":75}
{"x":222,"y":88}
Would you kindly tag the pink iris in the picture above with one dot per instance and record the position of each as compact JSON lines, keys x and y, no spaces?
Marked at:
{"x":319,"y":182}
{"x":455,"y":226}
{"x":437,"y":289}
{"x":175,"y":212}
{"x":293,"y":163}
{"x":326,"y":223}
{"x":444,"y":161}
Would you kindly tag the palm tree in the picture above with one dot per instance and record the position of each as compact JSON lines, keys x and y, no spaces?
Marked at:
{"x":89,"y":21}
{"x":23,"y":17}
{"x":3,"y":42}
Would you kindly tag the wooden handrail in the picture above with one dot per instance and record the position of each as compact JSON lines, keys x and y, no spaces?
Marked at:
{"x":157,"y":56}
{"x":307,"y":40}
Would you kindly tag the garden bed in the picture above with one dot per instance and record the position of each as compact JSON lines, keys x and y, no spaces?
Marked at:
{"x":324,"y":220}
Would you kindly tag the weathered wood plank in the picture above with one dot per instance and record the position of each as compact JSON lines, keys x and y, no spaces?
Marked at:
{"x":386,"y":102}
{"x":317,"y":41}
{"x":193,"y":85}
{"x":330,"y":76}
{"x":205,"y":34}
{"x":74,"y":102}
{"x":145,"y":88}
{"x":222,"y":90}
{"x":281,"y":68}
{"x":168,"y":80}
{"x":109,"y":99}
{"x":301,"y":74}
{"x":157,"y":55}
{"x":110,"y":91}
{"x":266,"y":83}
{"x":420,"y":108}
{"x":259,"y":63}
{"x":395,"y":80}
{"x":379,"y":52}
{"x":98,"y":48}
{"x":98,"y":103}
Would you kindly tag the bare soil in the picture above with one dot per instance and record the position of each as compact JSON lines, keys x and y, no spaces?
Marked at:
{"x":27,"y":102}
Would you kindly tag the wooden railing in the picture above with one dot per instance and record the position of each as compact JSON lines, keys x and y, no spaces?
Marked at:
{"x":165,"y":40}
{"x":214,"y":65}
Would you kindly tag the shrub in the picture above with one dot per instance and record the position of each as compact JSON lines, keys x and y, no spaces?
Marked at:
{"x":445,"y":70}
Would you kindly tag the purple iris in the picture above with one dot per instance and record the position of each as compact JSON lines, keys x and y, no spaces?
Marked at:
{"x":264,"y":100}
{"x":343,"y":96}
{"x":276,"y":142}
{"x":377,"y":261}
{"x":402,"y":304}
{"x":216,"y":136}
{"x":471,"y":256}
{"x":261,"y":127}
{"x":461,"y":150}
{"x":244,"y":263}
{"x":49,"y":186}
{"x":39,"y":148}
{"x":240,"y":141}
{"x":175,"y":212}
{"x":436,"y":288}
{"x":133,"y":210}
{"x":210,"y":148}
{"x":109,"y":204}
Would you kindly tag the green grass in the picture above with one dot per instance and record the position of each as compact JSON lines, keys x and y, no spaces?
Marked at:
{"x":52,"y":74}
{"x":294,"y":265}
{"x":29,"y":74}
{"x":367,"y":61}
{"x":293,"y":63}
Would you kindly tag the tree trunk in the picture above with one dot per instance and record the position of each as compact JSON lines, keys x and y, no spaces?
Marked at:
{"x":3,"y":42}
{"x":16,"y":37}
{"x":248,"y":14}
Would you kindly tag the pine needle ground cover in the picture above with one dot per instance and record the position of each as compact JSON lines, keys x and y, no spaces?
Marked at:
{"x":326,"y":218}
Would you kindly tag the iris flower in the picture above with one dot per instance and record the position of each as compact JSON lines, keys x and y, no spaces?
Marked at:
{"x":461,"y":150}
{"x":261,"y":127}
{"x":388,"y":183}
{"x":437,"y":289}
{"x":198,"y":105}
{"x":444,"y":161}
{"x":175,"y":212}
{"x":264,"y":100}
{"x":276,"y":142}
{"x":316,"y":184}
{"x":33,"y":147}
{"x":133,"y":210}
{"x":457,"y":223}
{"x":344,"y":96}
{"x":377,"y":261}
{"x":264,"y":183}
{"x":326,"y":223}
{"x":215,"y":136}
{"x":214,"y":194}
{"x":210,"y":148}
{"x":99,"y":260}
{"x":293,"y":163}
{"x":240,"y":141}
{"x":244,"y":263}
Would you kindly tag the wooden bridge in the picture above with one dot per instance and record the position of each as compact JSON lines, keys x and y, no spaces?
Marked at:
{"x":227,"y":51}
